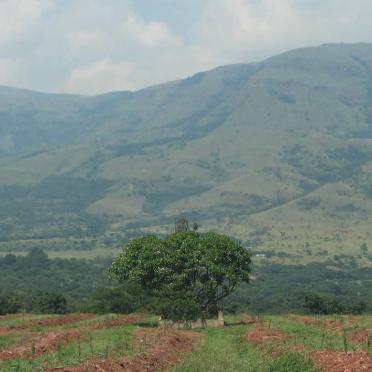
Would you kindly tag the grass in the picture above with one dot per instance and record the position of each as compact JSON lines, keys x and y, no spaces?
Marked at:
{"x":227,"y":350}
{"x":6,"y":341}
{"x":224,"y":350}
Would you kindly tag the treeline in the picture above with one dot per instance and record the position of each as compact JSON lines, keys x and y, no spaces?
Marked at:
{"x":322,"y":305}
{"x":36,"y":283}
{"x":284,"y":288}
{"x":12,"y":302}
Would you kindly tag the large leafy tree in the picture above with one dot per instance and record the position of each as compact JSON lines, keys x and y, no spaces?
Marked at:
{"x":190,"y":267}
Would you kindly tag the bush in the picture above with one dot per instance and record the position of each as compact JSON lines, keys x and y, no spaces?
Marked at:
{"x":9,"y":303}
{"x":316,"y":304}
{"x":127,"y":298}
{"x":180,"y":308}
{"x":50,"y":303}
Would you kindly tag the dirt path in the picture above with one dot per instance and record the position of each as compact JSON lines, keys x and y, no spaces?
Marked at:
{"x":162,"y":349}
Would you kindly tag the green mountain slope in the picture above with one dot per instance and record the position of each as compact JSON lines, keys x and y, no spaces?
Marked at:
{"x":277,"y":151}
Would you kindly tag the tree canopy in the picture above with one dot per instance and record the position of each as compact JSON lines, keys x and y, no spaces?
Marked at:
{"x":200,"y":269}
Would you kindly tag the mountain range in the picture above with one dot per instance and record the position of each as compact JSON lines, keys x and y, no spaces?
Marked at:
{"x":277,"y":151}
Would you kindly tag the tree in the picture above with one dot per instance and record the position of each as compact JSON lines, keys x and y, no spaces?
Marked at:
{"x":364,"y":248}
{"x":204,"y":268}
{"x":51,"y":303}
{"x":9,"y":303}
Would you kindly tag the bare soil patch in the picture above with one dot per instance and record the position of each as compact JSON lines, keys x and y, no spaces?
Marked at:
{"x":247,"y":320}
{"x":48,"y":322}
{"x":11,"y":317}
{"x":162,"y":349}
{"x":339,"y":361}
{"x":264,"y":334}
{"x":118,"y":322}
{"x":43,"y":343}
{"x":360,"y":337}
{"x":329,"y":324}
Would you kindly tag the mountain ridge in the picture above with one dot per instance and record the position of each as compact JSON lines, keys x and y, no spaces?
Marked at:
{"x":255,"y":150}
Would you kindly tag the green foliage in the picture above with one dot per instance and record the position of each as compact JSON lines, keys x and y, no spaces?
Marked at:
{"x":50,"y":303}
{"x":316,"y":304}
{"x":207,"y":267}
{"x":125,"y":299}
{"x":9,"y":303}
{"x":364,"y":248}
{"x":180,"y":307}
{"x":36,"y":283}
{"x":282,"y":288}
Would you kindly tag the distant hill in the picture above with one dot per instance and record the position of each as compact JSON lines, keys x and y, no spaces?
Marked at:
{"x":280,"y":149}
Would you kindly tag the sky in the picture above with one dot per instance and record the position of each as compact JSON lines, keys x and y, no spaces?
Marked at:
{"x":96,"y":46}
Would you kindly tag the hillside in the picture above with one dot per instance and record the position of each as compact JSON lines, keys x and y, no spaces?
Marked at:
{"x":279,"y":151}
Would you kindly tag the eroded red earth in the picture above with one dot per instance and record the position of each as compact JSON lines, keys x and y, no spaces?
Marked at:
{"x":48,"y":322}
{"x":33,"y":347}
{"x":119,"y":322}
{"x":339,"y":361}
{"x":324,"y":359}
{"x":264,"y":334}
{"x":162,"y":349}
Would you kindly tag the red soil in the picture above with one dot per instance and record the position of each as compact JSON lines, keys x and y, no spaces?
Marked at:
{"x":329,"y":324}
{"x":263,"y":334}
{"x":33,"y":344}
{"x":163,"y":349}
{"x":361,"y":337}
{"x":118,"y":322}
{"x":42,"y":344}
{"x":11,"y":317}
{"x":338,"y":361}
{"x":48,"y":322}
{"x":62,"y":320}
{"x":247,"y":319}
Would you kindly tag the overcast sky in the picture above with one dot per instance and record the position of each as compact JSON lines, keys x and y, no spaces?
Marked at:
{"x":95,"y":46}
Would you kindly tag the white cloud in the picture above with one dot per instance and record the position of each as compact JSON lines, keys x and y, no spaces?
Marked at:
{"x":92,"y":46}
{"x":20,"y":19}
{"x":9,"y":72}
{"x":100,"y":76}
{"x":148,"y":34}
{"x":253,"y":29}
